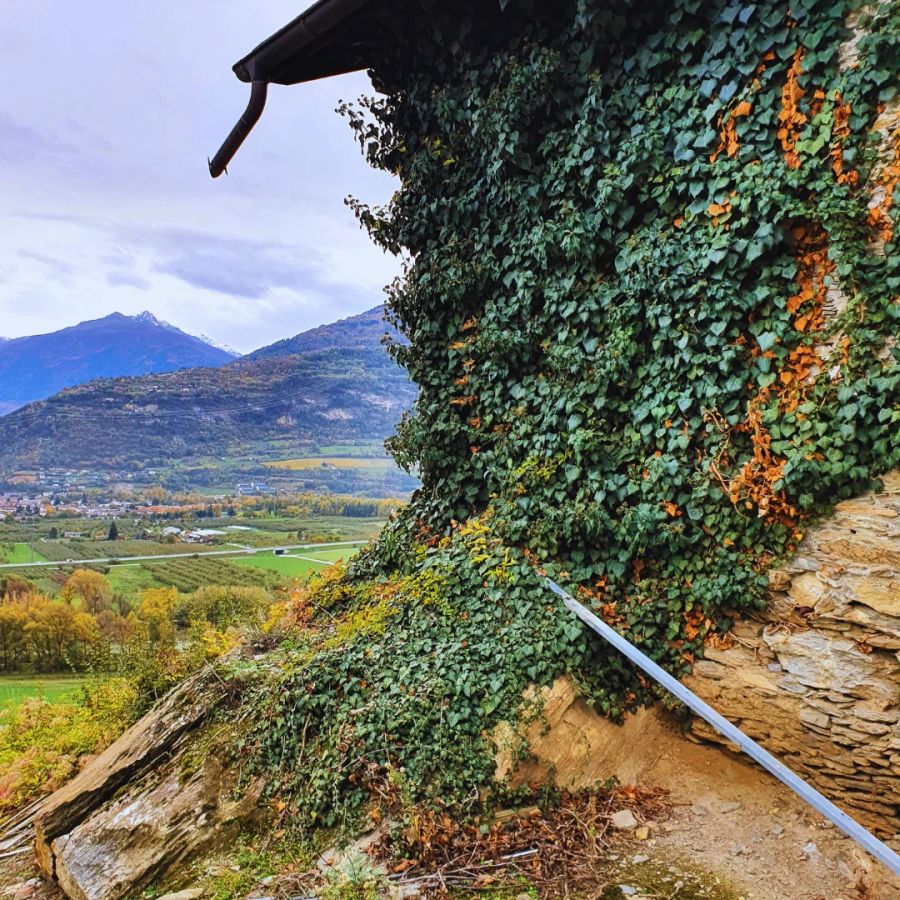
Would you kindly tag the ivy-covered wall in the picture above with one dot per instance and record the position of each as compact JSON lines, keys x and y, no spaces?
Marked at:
{"x":649,"y":304}
{"x":651,"y":308}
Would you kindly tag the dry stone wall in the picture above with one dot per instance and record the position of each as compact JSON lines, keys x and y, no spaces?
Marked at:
{"x":817,"y":678}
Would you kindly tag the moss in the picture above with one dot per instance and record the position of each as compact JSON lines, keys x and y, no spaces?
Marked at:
{"x":657,"y":878}
{"x":212,"y":738}
{"x":369,"y":621}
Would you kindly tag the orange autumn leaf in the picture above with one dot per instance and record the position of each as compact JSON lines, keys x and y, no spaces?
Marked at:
{"x":728,"y":140}
{"x":790,"y":119}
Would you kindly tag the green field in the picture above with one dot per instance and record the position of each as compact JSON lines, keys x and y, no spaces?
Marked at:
{"x":290,"y":567}
{"x":299,"y":563}
{"x":19,"y":553}
{"x":380,"y":463}
{"x":373,"y":448}
{"x":131,"y":579}
{"x":16,"y":688}
{"x":335,"y":554}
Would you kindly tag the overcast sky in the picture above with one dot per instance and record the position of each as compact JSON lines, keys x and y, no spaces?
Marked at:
{"x":108,"y":113}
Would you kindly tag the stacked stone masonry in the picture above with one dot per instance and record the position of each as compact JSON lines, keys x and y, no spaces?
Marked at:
{"x":816,"y":679}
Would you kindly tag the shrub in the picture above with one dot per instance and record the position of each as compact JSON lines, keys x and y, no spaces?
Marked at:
{"x":41,"y":743}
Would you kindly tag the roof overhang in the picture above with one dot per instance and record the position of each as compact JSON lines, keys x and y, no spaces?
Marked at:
{"x":331,"y":38}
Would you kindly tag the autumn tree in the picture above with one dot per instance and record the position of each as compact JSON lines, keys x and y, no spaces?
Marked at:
{"x":58,"y":634}
{"x":90,"y":587}
{"x":155,"y":611}
{"x":114,"y":627}
{"x":229,"y":606}
{"x":14,"y":587}
{"x":13,"y":643}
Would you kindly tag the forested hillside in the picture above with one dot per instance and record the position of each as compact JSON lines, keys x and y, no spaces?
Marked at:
{"x":340,"y":385}
{"x":363,"y":332}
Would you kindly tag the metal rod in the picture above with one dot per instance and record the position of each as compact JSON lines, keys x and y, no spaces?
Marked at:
{"x":219,"y":163}
{"x":821,"y":804}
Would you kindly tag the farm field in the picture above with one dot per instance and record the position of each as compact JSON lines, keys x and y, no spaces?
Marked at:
{"x":192,"y":568}
{"x":380,"y":463}
{"x":300,"y":563}
{"x":285,"y":566}
{"x":318,"y":529}
{"x":130,"y":579}
{"x":371,"y":449}
{"x":19,"y":553}
{"x":189,"y":574}
{"x":335,"y":554}
{"x":60,"y":551}
{"x":14,"y":689}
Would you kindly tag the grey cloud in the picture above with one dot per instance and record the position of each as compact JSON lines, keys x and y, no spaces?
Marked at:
{"x":51,"y":262}
{"x":233,"y":267}
{"x":22,"y":143}
{"x":127,"y":279}
{"x":236,"y":267}
{"x":59,"y":269}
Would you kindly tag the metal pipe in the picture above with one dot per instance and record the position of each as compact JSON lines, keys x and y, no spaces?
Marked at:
{"x":807,"y":792}
{"x":219,"y":163}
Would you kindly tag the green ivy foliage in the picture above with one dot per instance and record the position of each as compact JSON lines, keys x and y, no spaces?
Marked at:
{"x":624,"y":224}
{"x":417,"y":696}
{"x":571,"y":300}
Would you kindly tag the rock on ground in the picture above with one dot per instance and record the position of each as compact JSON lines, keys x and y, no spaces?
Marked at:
{"x":135,"y":810}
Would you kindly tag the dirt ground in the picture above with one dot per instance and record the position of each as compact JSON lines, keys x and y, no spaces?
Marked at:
{"x":732,"y":825}
{"x":735,"y":820}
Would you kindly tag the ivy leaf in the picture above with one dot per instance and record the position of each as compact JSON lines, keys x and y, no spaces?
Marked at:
{"x":766,"y":340}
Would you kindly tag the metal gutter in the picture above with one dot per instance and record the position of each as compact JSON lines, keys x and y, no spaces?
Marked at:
{"x":219,"y":163}
{"x":289,"y":57}
{"x":269,"y":58}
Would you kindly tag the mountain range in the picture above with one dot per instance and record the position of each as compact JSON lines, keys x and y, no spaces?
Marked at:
{"x":35,"y":367}
{"x":334,"y":384}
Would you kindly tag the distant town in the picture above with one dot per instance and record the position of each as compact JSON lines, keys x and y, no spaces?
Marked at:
{"x":80,"y":495}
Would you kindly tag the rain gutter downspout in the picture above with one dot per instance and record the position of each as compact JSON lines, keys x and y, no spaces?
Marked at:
{"x":219,"y":163}
{"x":263,"y":65}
